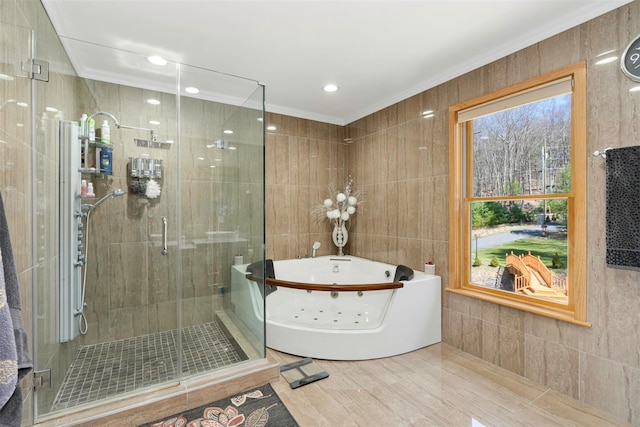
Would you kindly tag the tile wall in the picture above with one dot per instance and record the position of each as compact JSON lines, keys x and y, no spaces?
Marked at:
{"x":400,"y":162}
{"x":304,"y":159}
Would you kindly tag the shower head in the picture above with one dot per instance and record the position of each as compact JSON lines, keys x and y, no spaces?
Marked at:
{"x":119,"y":192}
{"x":316,"y":245}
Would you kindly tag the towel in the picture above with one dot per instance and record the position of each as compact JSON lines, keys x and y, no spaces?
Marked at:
{"x":623,"y":208}
{"x":15,"y":361}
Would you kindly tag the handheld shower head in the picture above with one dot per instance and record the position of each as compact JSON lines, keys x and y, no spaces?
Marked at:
{"x":315,"y":247}
{"x":119,"y":192}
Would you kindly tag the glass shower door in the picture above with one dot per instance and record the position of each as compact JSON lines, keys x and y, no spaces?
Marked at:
{"x":221,"y":208}
{"x":157,"y":261}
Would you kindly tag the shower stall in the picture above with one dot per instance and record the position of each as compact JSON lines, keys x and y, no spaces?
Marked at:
{"x":131,"y":286}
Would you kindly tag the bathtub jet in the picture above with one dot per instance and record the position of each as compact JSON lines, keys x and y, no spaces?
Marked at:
{"x":343,"y":324}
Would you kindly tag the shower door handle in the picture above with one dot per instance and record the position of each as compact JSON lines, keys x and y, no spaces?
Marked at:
{"x":164,"y":236}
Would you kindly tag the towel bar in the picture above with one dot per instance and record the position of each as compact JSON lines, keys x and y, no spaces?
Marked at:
{"x":602,"y":153}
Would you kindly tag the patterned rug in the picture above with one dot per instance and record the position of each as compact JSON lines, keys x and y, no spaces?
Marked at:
{"x":256,"y":408}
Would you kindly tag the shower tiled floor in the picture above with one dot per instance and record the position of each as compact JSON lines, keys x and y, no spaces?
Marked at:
{"x":104,"y":370}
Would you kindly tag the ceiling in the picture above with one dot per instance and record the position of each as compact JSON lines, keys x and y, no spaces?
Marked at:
{"x":378,"y":52}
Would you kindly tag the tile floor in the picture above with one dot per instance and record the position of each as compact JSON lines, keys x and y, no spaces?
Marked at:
{"x":434,"y":386}
{"x":103,"y":370}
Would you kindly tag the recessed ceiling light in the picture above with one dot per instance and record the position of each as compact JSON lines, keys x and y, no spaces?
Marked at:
{"x":635,"y":89}
{"x":22,"y":104}
{"x":157,"y":60}
{"x":232,"y":148}
{"x":191,"y":89}
{"x":330,"y":88}
{"x":51,"y":109}
{"x":260,"y":119}
{"x":227,"y":131}
{"x":153,"y":101}
{"x":212,"y":166}
{"x":154,"y":122}
{"x":271,"y":127}
{"x":607,"y":60}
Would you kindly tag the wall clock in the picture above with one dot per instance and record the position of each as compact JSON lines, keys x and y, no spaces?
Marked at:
{"x":630,"y":61}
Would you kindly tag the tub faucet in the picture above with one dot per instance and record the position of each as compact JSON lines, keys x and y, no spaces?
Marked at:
{"x":315,"y":247}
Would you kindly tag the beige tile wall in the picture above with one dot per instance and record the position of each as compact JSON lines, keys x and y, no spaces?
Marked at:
{"x":304,"y":159}
{"x":400,"y":160}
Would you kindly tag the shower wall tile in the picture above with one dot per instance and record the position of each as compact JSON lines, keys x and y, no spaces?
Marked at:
{"x":128,"y":323}
{"x":128,"y":268}
{"x":163,"y":316}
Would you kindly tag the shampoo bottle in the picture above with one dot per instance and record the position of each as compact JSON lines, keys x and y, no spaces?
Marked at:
{"x":92,"y":130}
{"x":105,"y":133}
{"x":90,"y":192}
{"x":82,"y":124}
{"x":105,"y":161}
{"x":83,"y":188}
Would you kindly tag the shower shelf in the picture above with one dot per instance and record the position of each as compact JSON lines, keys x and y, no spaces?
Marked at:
{"x":96,"y":143}
{"x":90,"y":171}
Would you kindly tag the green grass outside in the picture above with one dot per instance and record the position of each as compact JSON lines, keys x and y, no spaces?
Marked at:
{"x":538,"y":246}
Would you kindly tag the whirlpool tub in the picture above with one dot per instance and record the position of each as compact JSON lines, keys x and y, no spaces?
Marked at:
{"x":323,"y":308}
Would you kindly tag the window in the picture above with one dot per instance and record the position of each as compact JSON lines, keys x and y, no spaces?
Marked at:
{"x":518,"y":196}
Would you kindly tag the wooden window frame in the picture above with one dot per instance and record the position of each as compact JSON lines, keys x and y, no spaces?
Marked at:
{"x":575,"y":311}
